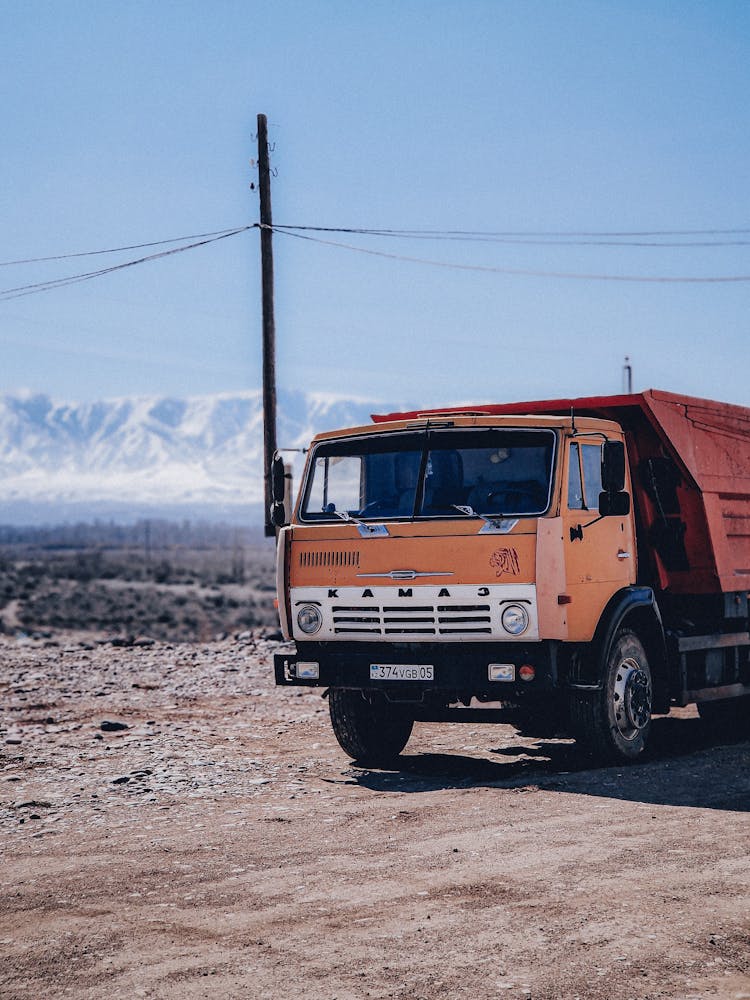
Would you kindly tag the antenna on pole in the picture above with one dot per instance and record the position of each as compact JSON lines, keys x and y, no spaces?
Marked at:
{"x":269,"y":326}
{"x":627,"y":376}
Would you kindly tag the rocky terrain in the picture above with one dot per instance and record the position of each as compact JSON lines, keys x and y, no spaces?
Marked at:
{"x":174,"y":826}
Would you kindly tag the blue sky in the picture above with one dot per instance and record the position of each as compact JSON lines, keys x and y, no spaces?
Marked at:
{"x":130,"y":122}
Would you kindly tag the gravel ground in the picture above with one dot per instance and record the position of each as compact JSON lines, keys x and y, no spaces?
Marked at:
{"x":175,"y":826}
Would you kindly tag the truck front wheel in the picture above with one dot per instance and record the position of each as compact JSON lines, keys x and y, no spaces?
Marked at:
{"x":372,"y":732}
{"x":614,"y":723}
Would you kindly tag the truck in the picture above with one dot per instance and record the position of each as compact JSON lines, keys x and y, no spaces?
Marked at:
{"x":583,"y":563}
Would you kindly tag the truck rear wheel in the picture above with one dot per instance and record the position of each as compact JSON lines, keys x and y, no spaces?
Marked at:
{"x":614,"y":723}
{"x":372,"y":732}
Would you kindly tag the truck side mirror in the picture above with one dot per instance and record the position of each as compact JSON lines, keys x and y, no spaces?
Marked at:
{"x":613,"y":466}
{"x":278,"y":514}
{"x":614,"y":504}
{"x":278,"y":479}
{"x":281,"y":492}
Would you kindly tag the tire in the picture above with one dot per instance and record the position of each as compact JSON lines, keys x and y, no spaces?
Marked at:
{"x":374,"y":732}
{"x":613,"y":724}
{"x":729,"y":718}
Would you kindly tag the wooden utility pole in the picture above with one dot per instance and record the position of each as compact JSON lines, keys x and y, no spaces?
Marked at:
{"x":269,"y":326}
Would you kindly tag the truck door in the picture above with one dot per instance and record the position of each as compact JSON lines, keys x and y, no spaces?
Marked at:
{"x":599,"y":557}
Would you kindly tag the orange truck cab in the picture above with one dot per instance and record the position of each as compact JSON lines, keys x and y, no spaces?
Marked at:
{"x":584,"y":560}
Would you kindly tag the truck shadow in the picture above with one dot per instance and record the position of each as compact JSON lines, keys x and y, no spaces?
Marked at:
{"x":685,"y":766}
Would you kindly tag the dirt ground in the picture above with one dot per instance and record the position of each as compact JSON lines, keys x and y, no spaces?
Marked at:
{"x":223,"y":846}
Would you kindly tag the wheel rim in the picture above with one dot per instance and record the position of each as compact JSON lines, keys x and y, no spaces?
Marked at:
{"x":631,"y":699}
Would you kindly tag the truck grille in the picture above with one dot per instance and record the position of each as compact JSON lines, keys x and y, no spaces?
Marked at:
{"x":398,"y":613}
{"x":314,"y":558}
{"x":422,"y":620}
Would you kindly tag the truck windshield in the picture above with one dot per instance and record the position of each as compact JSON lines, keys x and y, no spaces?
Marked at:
{"x":495,"y":471}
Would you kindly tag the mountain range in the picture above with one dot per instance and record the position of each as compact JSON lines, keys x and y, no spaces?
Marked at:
{"x":199,"y":456}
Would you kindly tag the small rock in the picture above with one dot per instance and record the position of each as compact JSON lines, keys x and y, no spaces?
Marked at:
{"x":121,"y":781}
{"x":13,"y":741}
{"x":108,"y":726}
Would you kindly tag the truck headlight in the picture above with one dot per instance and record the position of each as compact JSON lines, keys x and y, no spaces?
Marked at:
{"x":515,"y":619}
{"x":309,"y":619}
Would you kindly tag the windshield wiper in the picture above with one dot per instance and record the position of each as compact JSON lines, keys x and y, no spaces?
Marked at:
{"x":496,"y":525}
{"x":366,"y":530}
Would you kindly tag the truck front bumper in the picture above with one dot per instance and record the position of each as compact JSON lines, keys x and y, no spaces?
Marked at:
{"x":458,"y":671}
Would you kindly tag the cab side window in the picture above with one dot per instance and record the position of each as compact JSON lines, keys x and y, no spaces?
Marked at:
{"x":575,"y":482}
{"x":584,"y":476}
{"x":592,"y":474}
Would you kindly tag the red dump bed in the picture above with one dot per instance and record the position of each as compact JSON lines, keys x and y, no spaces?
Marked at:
{"x":690,"y":467}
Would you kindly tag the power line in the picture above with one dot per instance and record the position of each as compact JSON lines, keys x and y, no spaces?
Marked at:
{"x":523,"y":272}
{"x":133,"y":246}
{"x":610,"y":239}
{"x":45,"y":286}
{"x":555,"y":238}
{"x":484,"y":232}
{"x":538,"y":238}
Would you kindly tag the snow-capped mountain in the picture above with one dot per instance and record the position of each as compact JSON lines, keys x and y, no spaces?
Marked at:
{"x":196,"y":456}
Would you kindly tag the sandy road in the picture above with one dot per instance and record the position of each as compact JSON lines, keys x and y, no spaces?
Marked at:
{"x":223,"y":846}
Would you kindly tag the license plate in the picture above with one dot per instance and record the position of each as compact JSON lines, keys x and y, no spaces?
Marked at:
{"x":402,"y":672}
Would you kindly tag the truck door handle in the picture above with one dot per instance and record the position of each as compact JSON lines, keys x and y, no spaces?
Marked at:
{"x":623,"y":555}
